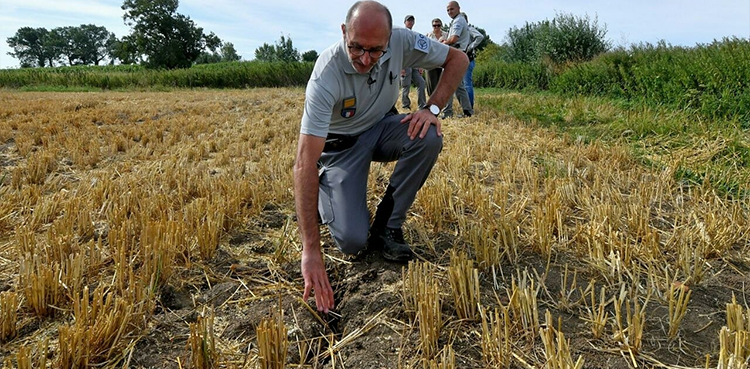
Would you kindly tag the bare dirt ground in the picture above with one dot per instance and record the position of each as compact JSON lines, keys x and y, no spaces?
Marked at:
{"x":493,"y":172}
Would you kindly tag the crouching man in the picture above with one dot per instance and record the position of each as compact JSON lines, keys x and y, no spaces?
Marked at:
{"x":349,"y":122}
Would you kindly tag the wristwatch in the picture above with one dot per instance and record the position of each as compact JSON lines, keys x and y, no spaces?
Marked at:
{"x":434,"y":109}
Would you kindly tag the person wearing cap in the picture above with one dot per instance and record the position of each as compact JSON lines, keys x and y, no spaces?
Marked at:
{"x":348,"y":121}
{"x":409,"y":75}
{"x":458,"y":37}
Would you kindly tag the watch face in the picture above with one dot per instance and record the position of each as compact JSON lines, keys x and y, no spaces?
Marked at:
{"x":434,"y":109}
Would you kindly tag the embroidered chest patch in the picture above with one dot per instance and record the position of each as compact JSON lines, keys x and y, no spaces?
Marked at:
{"x":349,"y":107}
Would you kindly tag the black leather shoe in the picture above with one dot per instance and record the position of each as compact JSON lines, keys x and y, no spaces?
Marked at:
{"x":467,"y":114}
{"x":394,"y":247}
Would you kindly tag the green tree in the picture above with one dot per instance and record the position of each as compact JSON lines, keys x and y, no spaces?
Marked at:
{"x":166,"y":38}
{"x":266,"y":53}
{"x":283,"y":51}
{"x":310,"y":56}
{"x":524,"y":44}
{"x":208,"y":58}
{"x":492,"y":52}
{"x":229,"y":53}
{"x":92,"y":43}
{"x":124,"y":50}
{"x":28,"y":46}
{"x":86,"y":44}
{"x":57,"y":45}
{"x":226,"y":54}
{"x":575,"y":39}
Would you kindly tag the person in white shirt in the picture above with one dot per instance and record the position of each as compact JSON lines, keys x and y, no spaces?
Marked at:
{"x":458,"y":37}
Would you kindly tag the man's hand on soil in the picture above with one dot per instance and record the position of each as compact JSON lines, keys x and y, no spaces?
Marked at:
{"x":316,"y":278}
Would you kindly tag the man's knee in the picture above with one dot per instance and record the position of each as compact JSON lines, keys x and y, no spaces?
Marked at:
{"x":351,"y":244}
{"x":431,"y":142}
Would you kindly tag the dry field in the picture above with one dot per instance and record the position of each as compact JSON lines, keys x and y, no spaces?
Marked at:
{"x":157,"y":230}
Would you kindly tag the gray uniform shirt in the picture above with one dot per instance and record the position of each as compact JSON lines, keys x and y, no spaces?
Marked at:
{"x":340,"y":100}
{"x":460,"y":27}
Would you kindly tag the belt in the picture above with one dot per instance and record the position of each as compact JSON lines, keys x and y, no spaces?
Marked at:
{"x":338,"y":142}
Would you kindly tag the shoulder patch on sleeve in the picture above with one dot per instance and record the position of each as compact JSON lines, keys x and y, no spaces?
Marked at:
{"x":421,"y":43}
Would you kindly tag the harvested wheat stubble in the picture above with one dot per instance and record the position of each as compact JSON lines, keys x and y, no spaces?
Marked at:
{"x":167,"y":205}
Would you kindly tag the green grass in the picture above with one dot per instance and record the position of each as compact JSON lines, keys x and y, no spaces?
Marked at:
{"x":657,"y":135}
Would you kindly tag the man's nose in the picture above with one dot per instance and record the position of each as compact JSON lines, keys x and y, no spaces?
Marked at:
{"x":366,"y":59}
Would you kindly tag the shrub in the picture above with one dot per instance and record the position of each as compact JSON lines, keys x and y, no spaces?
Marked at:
{"x":567,"y":38}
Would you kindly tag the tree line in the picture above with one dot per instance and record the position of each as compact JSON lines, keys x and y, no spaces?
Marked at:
{"x":160,"y":38}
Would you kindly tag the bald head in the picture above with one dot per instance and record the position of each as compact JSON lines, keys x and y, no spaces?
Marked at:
{"x":367,"y":29}
{"x":453,"y":9}
{"x":369,"y":10}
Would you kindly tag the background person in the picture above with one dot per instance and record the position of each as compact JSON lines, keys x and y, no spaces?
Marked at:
{"x":476,"y":38}
{"x":458,"y":37}
{"x":437,"y":34}
{"x":348,"y":122}
{"x":409,"y":75}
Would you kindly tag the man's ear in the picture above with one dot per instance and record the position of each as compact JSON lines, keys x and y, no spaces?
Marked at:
{"x":343,"y":29}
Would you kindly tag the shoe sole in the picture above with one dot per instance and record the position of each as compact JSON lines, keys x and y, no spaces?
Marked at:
{"x":374,"y":243}
{"x":402,"y":259}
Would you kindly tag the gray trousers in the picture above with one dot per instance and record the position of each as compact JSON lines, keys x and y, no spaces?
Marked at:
{"x":342,"y":199}
{"x":412,"y":75}
{"x":463,"y":99}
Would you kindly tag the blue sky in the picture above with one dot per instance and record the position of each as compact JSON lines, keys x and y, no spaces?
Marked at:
{"x":315,"y":25}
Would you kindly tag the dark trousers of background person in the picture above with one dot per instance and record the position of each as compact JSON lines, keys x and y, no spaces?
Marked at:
{"x":433,"y":77}
{"x":463,"y":99}
{"x":412,"y":75}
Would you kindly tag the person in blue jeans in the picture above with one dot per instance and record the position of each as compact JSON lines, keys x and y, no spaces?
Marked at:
{"x":476,"y":39}
{"x":468,"y":83}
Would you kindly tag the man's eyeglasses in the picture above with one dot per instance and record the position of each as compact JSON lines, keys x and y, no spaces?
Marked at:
{"x":358,"y":51}
{"x":437,"y":25}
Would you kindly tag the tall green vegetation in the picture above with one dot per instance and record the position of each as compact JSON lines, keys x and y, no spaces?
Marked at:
{"x":711,"y":79}
{"x":535,"y":52}
{"x":218,"y":75}
{"x":569,"y":55}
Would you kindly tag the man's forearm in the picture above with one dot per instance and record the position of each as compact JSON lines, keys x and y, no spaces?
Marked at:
{"x":306,"y":201}
{"x":454,"y":69}
{"x":306,"y":190}
{"x":451,"y":40}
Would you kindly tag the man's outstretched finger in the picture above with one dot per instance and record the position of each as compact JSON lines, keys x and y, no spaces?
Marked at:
{"x":306,"y":294}
{"x":323,"y":297}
